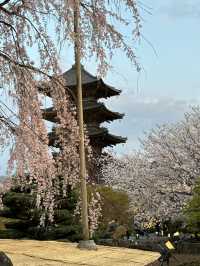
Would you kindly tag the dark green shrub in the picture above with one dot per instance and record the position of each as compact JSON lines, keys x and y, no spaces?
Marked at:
{"x":70,"y":232}
{"x":115,"y":207}
{"x":192,"y":210}
{"x":20,"y":205}
{"x":63,"y":216}
{"x":11,"y":233}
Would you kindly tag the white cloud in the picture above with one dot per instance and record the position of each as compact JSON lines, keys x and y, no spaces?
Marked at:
{"x":142,"y":114}
{"x":182,"y":8}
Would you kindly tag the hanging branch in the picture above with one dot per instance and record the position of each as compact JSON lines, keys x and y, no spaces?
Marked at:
{"x":24,"y":32}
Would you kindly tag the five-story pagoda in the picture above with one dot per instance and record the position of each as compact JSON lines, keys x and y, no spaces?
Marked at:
{"x":95,"y":112}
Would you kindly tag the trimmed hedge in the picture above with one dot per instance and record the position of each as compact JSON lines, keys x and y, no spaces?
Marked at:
{"x":20,"y":205}
{"x":11,"y":234}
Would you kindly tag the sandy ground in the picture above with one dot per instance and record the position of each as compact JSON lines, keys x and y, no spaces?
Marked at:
{"x":46,"y":253}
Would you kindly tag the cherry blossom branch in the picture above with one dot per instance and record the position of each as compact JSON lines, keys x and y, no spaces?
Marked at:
{"x":26,"y":66}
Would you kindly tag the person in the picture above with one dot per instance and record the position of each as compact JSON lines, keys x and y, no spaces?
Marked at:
{"x":158,"y":228}
{"x":166,"y":227}
{"x":165,"y":256}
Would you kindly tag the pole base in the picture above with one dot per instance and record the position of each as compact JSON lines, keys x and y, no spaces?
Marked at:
{"x":87,"y":244}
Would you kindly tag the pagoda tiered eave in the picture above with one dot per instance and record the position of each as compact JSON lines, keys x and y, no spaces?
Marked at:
{"x":97,"y":135}
{"x":91,"y":85}
{"x":92,"y":112}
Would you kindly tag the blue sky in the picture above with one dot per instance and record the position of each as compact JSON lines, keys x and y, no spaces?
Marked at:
{"x":169,"y":82}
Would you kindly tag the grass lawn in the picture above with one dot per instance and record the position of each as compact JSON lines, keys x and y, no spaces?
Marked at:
{"x":48,"y":253}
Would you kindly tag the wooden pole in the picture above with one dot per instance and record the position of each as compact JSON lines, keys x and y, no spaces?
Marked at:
{"x":84,"y":209}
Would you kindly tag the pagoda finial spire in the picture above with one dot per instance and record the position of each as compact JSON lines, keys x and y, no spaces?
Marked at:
{"x":74,"y":66}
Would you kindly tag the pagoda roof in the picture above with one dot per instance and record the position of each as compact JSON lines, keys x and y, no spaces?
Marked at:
{"x":103,"y":138}
{"x":103,"y":90}
{"x":100,"y":112}
{"x":91,"y":85}
{"x":49,"y":114}
{"x":98,"y":135}
{"x":93,"y":110}
{"x":70,"y":76}
{"x":109,"y":140}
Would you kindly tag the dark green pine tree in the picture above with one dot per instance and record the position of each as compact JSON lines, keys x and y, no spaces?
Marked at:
{"x":24,"y":218}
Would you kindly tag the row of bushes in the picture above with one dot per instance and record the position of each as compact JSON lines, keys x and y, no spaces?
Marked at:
{"x":19,"y":218}
{"x":22,"y":218}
